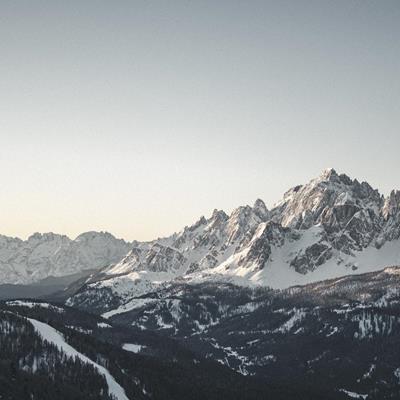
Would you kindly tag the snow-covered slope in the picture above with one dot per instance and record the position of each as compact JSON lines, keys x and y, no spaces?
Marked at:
{"x":51,"y":335}
{"x":49,"y":254}
{"x":330,"y":227}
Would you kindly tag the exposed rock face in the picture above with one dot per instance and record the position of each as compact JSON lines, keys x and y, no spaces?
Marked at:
{"x":391,"y":216}
{"x":311,"y":257}
{"x":391,"y":205}
{"x":268,"y":234}
{"x":334,"y":201}
{"x":350,"y":213}
{"x":260,"y":209}
{"x":157,"y":258}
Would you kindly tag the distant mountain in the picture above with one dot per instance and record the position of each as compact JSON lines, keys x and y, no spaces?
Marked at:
{"x":51,"y":255}
{"x":329,"y":227}
{"x":50,"y":286}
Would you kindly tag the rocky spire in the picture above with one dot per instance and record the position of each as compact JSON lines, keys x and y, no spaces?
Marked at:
{"x":260,"y":209}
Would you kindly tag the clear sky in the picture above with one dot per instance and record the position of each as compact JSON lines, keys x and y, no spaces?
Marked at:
{"x":138,"y":117}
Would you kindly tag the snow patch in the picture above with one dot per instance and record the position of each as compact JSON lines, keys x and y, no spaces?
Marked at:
{"x":134,"y":348}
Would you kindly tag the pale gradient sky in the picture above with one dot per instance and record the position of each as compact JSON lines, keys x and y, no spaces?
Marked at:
{"x":138,"y":117}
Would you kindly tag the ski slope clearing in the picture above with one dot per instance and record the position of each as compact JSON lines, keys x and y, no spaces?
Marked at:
{"x":51,"y":335}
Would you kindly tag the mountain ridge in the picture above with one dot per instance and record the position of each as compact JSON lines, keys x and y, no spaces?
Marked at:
{"x":331,"y":219}
{"x":332,"y":226}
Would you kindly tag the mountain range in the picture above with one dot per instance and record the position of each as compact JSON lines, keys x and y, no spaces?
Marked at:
{"x":330,"y":227}
{"x":51,"y":255}
{"x":300,"y":301}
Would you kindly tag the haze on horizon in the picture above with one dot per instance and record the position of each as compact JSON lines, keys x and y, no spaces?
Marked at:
{"x":139,"y":117}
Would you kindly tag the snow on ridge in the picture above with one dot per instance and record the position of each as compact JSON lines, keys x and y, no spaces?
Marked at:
{"x":131,"y":305}
{"x":51,"y":335}
{"x":32,"y":304}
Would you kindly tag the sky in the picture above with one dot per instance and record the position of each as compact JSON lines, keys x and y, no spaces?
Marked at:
{"x":138,"y":117}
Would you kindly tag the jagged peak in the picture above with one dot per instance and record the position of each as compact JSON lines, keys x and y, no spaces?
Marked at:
{"x":202,"y":220}
{"x":391,"y":204}
{"x":217,"y":220}
{"x":327,"y":173}
{"x":259,"y":204}
{"x":395,"y":196}
{"x":240,"y":210}
{"x":260,"y":209}
{"x":329,"y":177}
{"x":46,"y":236}
{"x":219,"y":215}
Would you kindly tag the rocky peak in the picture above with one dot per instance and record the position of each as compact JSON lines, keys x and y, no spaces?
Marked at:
{"x":217,"y":220}
{"x":328,"y":174}
{"x":46,"y":237}
{"x":201,"y":221}
{"x":391,"y":218}
{"x":219,"y":215}
{"x":314,"y":202}
{"x":242,"y":220}
{"x":260,"y":209}
{"x":391,"y":205}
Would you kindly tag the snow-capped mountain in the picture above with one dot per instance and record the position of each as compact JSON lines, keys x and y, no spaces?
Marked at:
{"x":329,"y":227}
{"x":50,"y":254}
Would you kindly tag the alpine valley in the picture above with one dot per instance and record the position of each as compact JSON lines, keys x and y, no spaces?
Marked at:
{"x":299,"y":301}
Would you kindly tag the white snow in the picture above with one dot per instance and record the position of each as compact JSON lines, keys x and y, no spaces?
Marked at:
{"x":134,"y":348}
{"x":131,"y":305}
{"x":103,"y":325}
{"x":229,"y":352}
{"x":278,"y":273}
{"x":354,"y":395}
{"x":370,"y":324}
{"x":332,"y":332}
{"x":80,"y":329}
{"x":396,"y":373}
{"x":32,"y":304}
{"x":370,"y":371}
{"x":51,"y":335}
{"x":298,"y":315}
